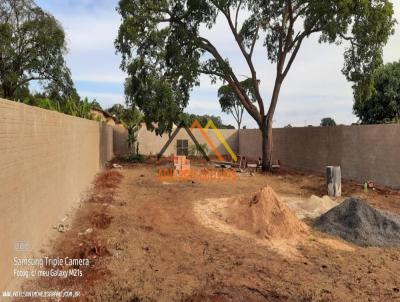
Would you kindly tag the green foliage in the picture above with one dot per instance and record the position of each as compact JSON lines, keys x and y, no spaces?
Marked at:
{"x":327,"y":122}
{"x":48,"y":104}
{"x":383,"y":103}
{"x":131,"y":118}
{"x":32,"y":48}
{"x":230,"y":103}
{"x":96,"y":105}
{"x":195,"y":150}
{"x":135,"y":158}
{"x":164,"y":51}
{"x":188,"y":119}
{"x":78,"y":108}
{"x":126,"y":115}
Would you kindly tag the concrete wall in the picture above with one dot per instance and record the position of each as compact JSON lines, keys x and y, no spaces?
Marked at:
{"x":151,"y":144}
{"x":364,"y":152}
{"x":120,"y":140}
{"x":47,"y":160}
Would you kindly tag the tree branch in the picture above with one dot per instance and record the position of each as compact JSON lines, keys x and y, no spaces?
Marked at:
{"x":249,"y":63}
{"x":231,"y":78}
{"x":254,"y":40}
{"x":237,"y":14}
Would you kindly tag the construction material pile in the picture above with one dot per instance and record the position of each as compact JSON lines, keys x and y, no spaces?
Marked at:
{"x":263,"y":214}
{"x":356,"y":221}
{"x":311,"y":207}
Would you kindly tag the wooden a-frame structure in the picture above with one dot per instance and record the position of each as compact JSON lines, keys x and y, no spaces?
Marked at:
{"x":183,"y":125}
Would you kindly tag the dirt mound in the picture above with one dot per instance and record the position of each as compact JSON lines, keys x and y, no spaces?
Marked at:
{"x":356,"y":221}
{"x":265,"y":216}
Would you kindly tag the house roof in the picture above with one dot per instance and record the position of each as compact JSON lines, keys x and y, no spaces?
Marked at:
{"x":106,"y":114}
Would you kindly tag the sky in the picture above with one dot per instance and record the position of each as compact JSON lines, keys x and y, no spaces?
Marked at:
{"x":314,"y":88}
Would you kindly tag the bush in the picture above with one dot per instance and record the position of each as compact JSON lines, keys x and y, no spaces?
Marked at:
{"x":135,"y":158}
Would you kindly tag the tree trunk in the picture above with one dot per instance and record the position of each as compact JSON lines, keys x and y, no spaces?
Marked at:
{"x":8,"y":92}
{"x":266,"y":126}
{"x":267,"y":146}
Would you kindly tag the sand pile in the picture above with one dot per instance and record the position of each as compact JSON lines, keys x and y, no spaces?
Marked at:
{"x":311,"y":207}
{"x":356,"y":221}
{"x":263,"y":215}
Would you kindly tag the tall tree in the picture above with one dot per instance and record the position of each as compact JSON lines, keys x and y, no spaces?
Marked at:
{"x":230,"y":103}
{"x":382,"y":105}
{"x":165,"y":49}
{"x":32,"y":47}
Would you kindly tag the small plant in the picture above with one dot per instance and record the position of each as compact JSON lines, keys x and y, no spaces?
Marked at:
{"x":135,"y":158}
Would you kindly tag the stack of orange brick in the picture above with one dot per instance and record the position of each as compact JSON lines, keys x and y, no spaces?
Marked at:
{"x":181,"y":163}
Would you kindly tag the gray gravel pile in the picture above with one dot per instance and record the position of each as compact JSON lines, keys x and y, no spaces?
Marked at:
{"x":356,"y":221}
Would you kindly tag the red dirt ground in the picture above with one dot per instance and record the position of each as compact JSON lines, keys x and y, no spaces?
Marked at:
{"x":155,"y":246}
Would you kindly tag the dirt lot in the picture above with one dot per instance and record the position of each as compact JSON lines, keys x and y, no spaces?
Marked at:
{"x":149,"y":243}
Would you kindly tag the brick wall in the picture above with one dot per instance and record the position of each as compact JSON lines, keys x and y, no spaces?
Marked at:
{"x":47,"y":161}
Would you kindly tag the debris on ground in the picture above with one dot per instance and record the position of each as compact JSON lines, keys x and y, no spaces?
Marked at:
{"x":116,"y":166}
{"x":98,"y":198}
{"x":108,"y":180}
{"x":101,"y":220}
{"x":62,"y":227}
{"x":370,"y":184}
{"x":356,"y":221}
{"x":87,"y":232}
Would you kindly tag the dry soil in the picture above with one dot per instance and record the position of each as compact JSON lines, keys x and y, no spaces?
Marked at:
{"x":150,"y":242}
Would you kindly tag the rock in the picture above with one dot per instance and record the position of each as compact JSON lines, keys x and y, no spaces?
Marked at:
{"x":87,"y":232}
{"x":62,"y":227}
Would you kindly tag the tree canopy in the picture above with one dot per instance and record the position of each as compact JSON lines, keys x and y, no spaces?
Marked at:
{"x":383,"y":103}
{"x":165,"y":49}
{"x":32,"y":48}
{"x":188,"y":119}
{"x":327,"y":122}
{"x":126,"y":115}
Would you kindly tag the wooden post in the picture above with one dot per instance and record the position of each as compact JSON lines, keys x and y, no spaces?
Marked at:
{"x":334,"y":181}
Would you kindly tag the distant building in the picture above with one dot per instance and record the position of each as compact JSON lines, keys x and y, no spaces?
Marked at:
{"x":103,"y":116}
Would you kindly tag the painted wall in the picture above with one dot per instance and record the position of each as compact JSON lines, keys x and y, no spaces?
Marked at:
{"x":151,"y":144}
{"x":370,"y":152}
{"x":47,"y":161}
